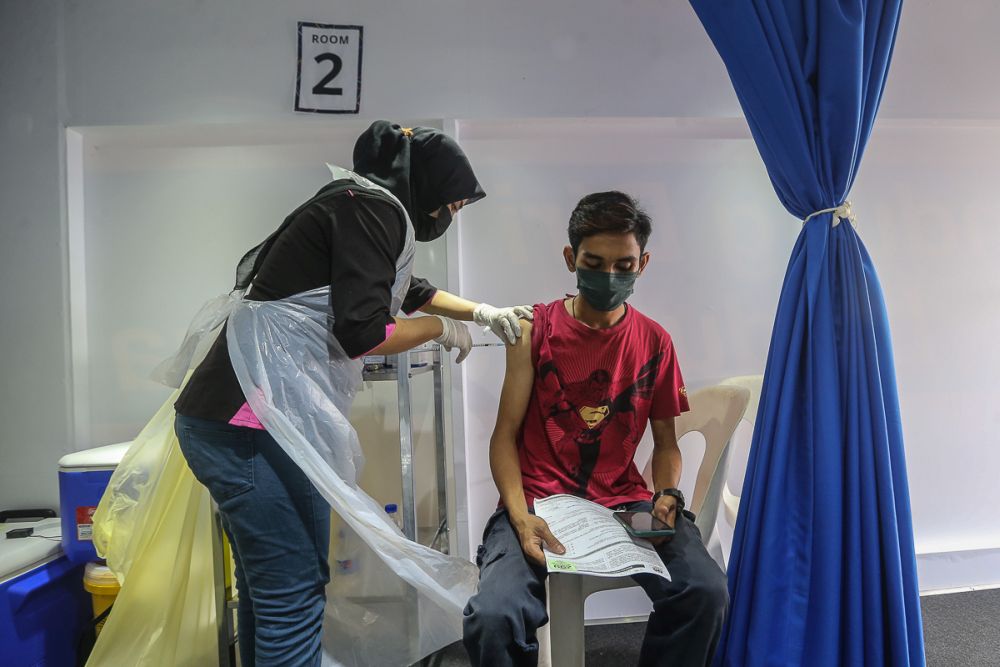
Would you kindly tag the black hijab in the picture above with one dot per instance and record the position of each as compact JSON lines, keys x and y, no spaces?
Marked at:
{"x":424,"y":168}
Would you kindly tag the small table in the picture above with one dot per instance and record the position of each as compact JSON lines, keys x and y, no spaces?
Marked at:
{"x":408,"y":509}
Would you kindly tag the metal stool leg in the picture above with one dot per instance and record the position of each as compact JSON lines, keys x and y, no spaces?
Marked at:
{"x":566,"y":632}
{"x":223,"y":613}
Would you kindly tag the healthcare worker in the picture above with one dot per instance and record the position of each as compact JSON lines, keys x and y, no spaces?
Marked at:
{"x":350,"y":237}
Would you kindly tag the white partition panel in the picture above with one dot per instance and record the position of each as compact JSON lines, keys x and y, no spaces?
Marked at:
{"x":160,"y":215}
{"x":719,"y":247}
{"x":926,"y":201}
{"x":167,"y":211}
{"x":925,"y":206}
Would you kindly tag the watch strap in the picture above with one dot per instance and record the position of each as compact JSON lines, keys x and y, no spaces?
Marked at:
{"x":676,"y":493}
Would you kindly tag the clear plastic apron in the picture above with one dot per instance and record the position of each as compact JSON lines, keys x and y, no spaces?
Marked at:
{"x":300,"y":384}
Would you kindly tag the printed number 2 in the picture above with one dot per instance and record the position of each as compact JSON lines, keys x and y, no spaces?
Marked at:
{"x":338,"y":64}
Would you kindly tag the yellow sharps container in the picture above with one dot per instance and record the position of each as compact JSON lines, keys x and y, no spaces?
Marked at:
{"x":100,"y":582}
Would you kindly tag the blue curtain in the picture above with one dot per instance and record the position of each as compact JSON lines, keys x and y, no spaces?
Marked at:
{"x":822,"y":570}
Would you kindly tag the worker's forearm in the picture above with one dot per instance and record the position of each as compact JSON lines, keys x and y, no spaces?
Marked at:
{"x":666,"y":467}
{"x":506,"y":467}
{"x":409,"y":333}
{"x":449,"y":305}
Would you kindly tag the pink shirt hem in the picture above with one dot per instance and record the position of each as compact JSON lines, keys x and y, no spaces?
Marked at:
{"x":246,"y":417}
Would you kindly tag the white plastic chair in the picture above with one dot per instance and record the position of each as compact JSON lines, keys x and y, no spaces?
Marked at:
{"x":739,"y":454}
{"x":715,"y":412}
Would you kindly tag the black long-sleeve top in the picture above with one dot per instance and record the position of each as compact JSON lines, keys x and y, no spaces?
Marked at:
{"x":349,"y":242}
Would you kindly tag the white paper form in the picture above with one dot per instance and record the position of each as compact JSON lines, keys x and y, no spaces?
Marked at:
{"x":595,"y":542}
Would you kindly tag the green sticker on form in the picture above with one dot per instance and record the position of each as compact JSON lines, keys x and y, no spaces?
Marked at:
{"x":562,"y":565}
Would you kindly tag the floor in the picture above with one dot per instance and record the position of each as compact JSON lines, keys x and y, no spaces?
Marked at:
{"x":960,"y":630}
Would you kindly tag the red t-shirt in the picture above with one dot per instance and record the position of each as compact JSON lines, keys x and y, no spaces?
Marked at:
{"x":594,"y":392}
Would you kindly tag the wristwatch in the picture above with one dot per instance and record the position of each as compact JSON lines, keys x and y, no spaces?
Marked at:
{"x":676,"y":493}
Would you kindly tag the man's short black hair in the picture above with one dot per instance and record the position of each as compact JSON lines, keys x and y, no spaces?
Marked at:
{"x":608,"y":213}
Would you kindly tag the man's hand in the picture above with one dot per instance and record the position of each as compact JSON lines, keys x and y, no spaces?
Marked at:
{"x":533,"y":533}
{"x":666,"y":511}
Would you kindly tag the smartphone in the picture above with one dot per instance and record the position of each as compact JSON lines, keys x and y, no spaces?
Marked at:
{"x":643,"y":524}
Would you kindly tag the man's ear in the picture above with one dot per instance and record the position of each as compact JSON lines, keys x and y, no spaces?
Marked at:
{"x":643,"y":261}
{"x":570,"y":258}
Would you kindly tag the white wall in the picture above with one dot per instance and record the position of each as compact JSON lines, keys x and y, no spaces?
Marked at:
{"x":140,"y":62}
{"x":118,"y":62}
{"x":926,"y":195}
{"x":136,"y":61}
{"x":34,"y":396}
{"x":719,"y":246}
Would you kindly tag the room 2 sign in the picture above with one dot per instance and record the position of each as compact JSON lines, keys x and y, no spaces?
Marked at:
{"x":328,"y":76}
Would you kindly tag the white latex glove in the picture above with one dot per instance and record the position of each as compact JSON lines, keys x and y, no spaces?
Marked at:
{"x":503,"y":321}
{"x":455,"y":334}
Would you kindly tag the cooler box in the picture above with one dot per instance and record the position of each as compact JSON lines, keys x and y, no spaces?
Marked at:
{"x":43,"y":606}
{"x":83,"y":477}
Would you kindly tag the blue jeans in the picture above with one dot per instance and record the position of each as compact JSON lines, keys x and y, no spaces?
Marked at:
{"x":501,"y":620}
{"x":279,"y":529}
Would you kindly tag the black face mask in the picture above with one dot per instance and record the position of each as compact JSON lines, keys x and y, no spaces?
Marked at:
{"x":428,"y":227}
{"x":604,"y":290}
{"x":425,"y":169}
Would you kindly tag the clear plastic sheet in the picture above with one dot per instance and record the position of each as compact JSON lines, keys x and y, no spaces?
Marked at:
{"x":300,"y":391}
{"x":154,"y":523}
{"x":203,"y":329}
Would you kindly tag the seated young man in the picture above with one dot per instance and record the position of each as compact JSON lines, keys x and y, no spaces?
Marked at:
{"x":581,"y":384}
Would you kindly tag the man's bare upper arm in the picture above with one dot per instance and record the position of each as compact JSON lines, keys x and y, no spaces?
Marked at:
{"x":517,"y":383}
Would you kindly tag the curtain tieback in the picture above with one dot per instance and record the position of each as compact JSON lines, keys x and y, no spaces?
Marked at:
{"x":842,"y":212}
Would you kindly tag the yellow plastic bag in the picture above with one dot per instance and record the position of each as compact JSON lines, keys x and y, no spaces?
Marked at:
{"x":154,"y":526}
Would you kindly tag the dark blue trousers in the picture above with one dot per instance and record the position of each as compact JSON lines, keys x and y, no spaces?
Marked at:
{"x":682,"y":631}
{"x":279,"y":530}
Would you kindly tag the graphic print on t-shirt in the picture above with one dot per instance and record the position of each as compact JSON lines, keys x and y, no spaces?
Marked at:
{"x":593,"y":395}
{"x":583,"y":414}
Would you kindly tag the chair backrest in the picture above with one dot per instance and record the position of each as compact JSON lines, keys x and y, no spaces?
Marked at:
{"x":715,"y":412}
{"x":740,"y":448}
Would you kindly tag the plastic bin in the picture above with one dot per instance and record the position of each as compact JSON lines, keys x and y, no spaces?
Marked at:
{"x":103,"y":586}
{"x":43,"y":606}
{"x":83,"y":477}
